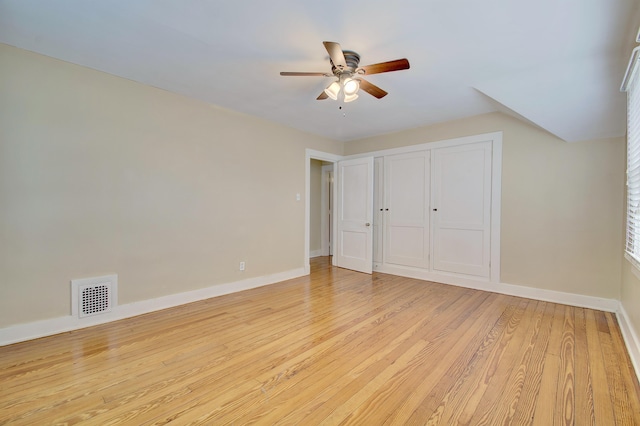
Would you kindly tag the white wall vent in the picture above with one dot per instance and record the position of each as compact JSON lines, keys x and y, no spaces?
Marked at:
{"x":93,"y":296}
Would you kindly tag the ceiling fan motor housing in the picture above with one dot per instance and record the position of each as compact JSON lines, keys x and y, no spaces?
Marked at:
{"x":351,"y":58}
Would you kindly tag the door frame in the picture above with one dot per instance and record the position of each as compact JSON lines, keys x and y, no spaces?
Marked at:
{"x":330,"y":158}
{"x":326,"y":207}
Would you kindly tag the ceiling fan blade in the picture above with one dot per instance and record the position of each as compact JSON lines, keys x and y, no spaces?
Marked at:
{"x":397,"y":65}
{"x":304,"y":74}
{"x":322,"y":96}
{"x":335,"y":52}
{"x":372,"y":89}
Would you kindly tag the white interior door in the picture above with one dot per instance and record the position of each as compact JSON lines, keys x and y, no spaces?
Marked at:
{"x":354,"y":248}
{"x":461,"y":209}
{"x":406,"y":209}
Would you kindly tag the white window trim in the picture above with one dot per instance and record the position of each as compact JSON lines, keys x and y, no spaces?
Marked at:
{"x":635,"y":265}
{"x":631,"y":85}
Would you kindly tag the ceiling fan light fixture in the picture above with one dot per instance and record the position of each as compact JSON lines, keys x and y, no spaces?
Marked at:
{"x":345,"y":66}
{"x":350,"y":87}
{"x":333,"y":90}
{"x":349,"y":98}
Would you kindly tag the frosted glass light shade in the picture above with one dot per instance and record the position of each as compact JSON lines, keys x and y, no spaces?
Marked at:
{"x":350,"y":86}
{"x":333,"y":90}
{"x":349,"y":98}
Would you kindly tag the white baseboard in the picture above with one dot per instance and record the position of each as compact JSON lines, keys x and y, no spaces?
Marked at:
{"x":631,"y":338}
{"x":315,"y":253}
{"x":573,"y":299}
{"x":33,"y":330}
{"x":422,"y":274}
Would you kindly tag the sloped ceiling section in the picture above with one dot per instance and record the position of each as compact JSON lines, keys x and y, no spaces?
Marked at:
{"x":575,"y":99}
{"x":557,"y":64}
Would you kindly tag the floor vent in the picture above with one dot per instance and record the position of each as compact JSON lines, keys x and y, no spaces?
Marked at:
{"x":93,"y":296}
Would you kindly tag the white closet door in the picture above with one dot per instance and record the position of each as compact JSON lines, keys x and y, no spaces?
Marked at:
{"x":462,"y":209}
{"x":406,"y":237}
{"x":355,"y":215}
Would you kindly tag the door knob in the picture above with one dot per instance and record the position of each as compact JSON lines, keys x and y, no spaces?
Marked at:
{"x":367,"y":224}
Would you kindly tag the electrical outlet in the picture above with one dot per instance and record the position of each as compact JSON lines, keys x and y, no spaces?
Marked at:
{"x":242,"y":265}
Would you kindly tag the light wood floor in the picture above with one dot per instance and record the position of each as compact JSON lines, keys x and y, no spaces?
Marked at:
{"x":337,"y":347}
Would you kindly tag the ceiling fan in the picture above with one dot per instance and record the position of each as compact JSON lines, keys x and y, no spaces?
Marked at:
{"x":345,"y":66}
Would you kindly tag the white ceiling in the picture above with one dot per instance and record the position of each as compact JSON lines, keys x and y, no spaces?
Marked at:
{"x":556,"y":63}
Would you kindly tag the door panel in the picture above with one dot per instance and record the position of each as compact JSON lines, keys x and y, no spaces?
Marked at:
{"x":406,"y":243}
{"x":355,"y":214}
{"x":407,"y":182}
{"x":462,"y":209}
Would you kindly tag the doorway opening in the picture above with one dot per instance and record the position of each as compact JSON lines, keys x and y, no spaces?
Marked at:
{"x":320,"y":199}
{"x":320,"y":210}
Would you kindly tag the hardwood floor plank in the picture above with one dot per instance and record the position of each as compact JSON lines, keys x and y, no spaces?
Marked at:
{"x":386,"y":388}
{"x":335,"y":347}
{"x":525,"y":409}
{"x":397,"y":392}
{"x":504,"y":394}
{"x":349,"y":348}
{"x":353,"y":381}
{"x":565,"y":394}
{"x":546,"y":407}
{"x":602,"y":407}
{"x":430,"y":394}
{"x":624,"y":362}
{"x":462,"y":407}
{"x":583,"y":383}
{"x":623,"y":411}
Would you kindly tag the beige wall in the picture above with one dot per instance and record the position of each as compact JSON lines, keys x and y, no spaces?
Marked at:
{"x":315,"y":213}
{"x":102,"y":175}
{"x":561,"y":203}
